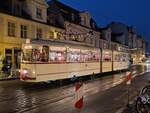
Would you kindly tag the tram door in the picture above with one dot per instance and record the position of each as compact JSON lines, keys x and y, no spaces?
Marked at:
{"x":12,"y":59}
{"x":17,"y":58}
{"x":8,"y":60}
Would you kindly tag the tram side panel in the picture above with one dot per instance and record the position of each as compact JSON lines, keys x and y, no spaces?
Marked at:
{"x":61,"y":63}
{"x":28,"y":72}
{"x":120,"y":61}
{"x":64,"y":71}
{"x":106,"y":60}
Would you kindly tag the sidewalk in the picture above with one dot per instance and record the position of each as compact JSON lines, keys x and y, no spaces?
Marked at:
{"x":4,"y":77}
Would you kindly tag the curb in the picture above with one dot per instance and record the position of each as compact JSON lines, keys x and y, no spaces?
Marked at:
{"x":7,"y":79}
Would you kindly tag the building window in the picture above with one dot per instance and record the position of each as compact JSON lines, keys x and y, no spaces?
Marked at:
{"x":39,"y":33}
{"x":72,"y":16}
{"x":17,"y":9}
{"x":11,"y":29}
{"x":23,"y":31}
{"x":58,"y":35}
{"x":83,"y":20}
{"x":51,"y":34}
{"x":93,"y":24}
{"x":38,"y":13}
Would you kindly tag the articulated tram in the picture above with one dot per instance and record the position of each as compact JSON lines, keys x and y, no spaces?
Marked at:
{"x":56,"y":61}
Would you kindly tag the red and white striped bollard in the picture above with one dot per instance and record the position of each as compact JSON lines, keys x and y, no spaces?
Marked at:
{"x":78,"y":96}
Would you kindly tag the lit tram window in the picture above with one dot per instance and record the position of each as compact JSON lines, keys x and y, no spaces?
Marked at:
{"x":57,"y":54}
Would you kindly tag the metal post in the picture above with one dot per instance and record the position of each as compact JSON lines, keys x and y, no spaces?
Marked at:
{"x":101,"y":54}
{"x":112,"y":60}
{"x":128,"y":95}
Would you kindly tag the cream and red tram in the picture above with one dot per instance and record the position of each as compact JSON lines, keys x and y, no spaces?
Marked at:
{"x":56,"y":61}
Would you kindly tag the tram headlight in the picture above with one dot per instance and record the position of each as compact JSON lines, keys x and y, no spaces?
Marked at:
{"x":27,"y":74}
{"x":25,"y":71}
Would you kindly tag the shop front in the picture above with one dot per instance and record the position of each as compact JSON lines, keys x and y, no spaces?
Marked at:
{"x":10,"y":55}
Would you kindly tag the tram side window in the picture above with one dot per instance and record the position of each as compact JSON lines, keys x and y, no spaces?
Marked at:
{"x":40,"y":54}
{"x":124,"y":58}
{"x":57,"y":56}
{"x":117,"y":58}
{"x":27,"y":55}
{"x":95,"y":56}
{"x":45,"y":54}
{"x":89,"y":56}
{"x":106,"y":57}
{"x":86,"y":56}
{"x":73,"y":56}
{"x":36,"y":55}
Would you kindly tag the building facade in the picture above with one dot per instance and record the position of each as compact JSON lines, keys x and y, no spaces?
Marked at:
{"x":17,"y":27}
{"x":128,"y":36}
{"x":55,"y":21}
{"x":137,"y":46}
{"x":80,"y":26}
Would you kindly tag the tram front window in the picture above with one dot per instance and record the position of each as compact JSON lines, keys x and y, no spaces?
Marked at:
{"x":36,"y":54}
{"x":27,"y":55}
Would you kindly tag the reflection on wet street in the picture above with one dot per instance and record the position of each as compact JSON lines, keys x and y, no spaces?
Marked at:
{"x":19,"y":97}
{"x":147,"y":67}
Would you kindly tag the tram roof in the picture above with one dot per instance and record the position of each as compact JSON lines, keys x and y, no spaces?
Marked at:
{"x":62,"y":43}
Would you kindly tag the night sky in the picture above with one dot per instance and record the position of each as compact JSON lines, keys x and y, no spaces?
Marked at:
{"x":134,"y":13}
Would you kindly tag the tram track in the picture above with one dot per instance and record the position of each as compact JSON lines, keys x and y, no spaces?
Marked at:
{"x":52,"y":97}
{"x":70,"y":95}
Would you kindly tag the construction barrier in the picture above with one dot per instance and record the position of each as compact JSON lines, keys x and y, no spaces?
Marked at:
{"x":78,"y":95}
{"x":128,"y":78}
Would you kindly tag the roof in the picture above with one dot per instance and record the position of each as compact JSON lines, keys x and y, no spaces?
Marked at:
{"x":114,"y":37}
{"x":6,"y":8}
{"x":116,"y":34}
{"x":63,"y":6}
{"x":67,"y":11}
